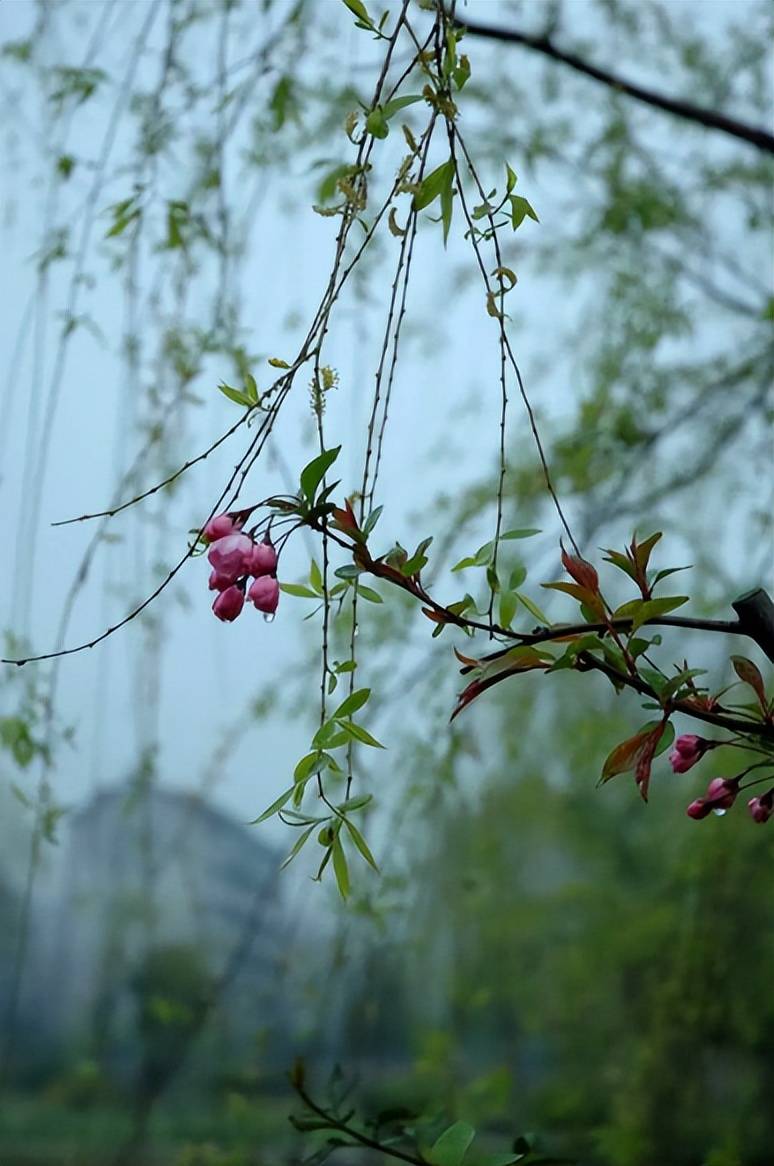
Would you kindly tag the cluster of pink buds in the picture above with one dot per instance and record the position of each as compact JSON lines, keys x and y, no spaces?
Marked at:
{"x":686,"y":751}
{"x":235,"y":557}
{"x":720,"y":796}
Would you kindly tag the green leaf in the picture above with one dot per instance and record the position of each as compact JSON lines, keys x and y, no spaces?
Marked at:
{"x":354,"y":701}
{"x":517,"y":577}
{"x":357,"y":803}
{"x":358,"y":8}
{"x":315,"y":578}
{"x":447,"y":206}
{"x":299,"y":843}
{"x":299,"y":590}
{"x":462,"y":73}
{"x":372,"y":520}
{"x":347,"y":666}
{"x":510,"y":178}
{"x":236,"y":395}
{"x":430,"y":187}
{"x":311,"y":763}
{"x":122,"y":222}
{"x":361,"y":843}
{"x":325,"y":737}
{"x":390,"y":108}
{"x":527,"y":532}
{"x":315,"y":471}
{"x":376,"y":123}
{"x":275,"y":362}
{"x":340,"y":867}
{"x":508,"y":605}
{"x":369,"y":594}
{"x":520,"y":209}
{"x":453,"y":1144}
{"x":274,"y":807}
{"x":643,"y":610}
{"x":251,"y":389}
{"x":533,"y":609}
{"x":358,"y":733}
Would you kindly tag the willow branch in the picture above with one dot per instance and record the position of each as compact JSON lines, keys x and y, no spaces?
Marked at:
{"x":709,"y":118}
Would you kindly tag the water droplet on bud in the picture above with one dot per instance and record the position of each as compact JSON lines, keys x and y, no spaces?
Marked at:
{"x":719,"y":813}
{"x":268,"y":617}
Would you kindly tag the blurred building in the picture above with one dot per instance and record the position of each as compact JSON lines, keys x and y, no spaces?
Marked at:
{"x":165,"y":924}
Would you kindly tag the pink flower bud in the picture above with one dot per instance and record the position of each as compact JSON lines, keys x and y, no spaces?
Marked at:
{"x":219,"y":582}
{"x":721,"y":792}
{"x":263,"y":559}
{"x":219,"y":527}
{"x":264,"y":593}
{"x":230,"y":556}
{"x":686,"y":751}
{"x":698,"y":809}
{"x":762,"y":808}
{"x":228,"y":604}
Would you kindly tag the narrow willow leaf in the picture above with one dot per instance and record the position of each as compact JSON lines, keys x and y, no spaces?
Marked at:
{"x":533,"y":609}
{"x":315,"y":471}
{"x":361,"y":844}
{"x":390,"y":108}
{"x":358,"y":9}
{"x":299,"y":843}
{"x":274,"y":807}
{"x":340,"y":868}
{"x":358,"y":733}
{"x":236,"y":395}
{"x":315,"y":578}
{"x":299,"y":590}
{"x":354,"y":701}
{"x":431,"y":186}
{"x":369,"y":594}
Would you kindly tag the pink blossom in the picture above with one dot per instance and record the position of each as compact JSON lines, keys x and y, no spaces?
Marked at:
{"x":264,"y":593}
{"x":722,"y":792}
{"x":263,"y":559}
{"x":698,"y":809}
{"x":686,"y":751}
{"x":762,"y":808}
{"x":219,"y":582}
{"x":230,"y":556}
{"x":219,"y":527}
{"x":228,"y":604}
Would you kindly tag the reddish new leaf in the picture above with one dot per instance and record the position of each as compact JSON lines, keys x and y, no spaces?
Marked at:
{"x":581,"y":571}
{"x":636,"y":753}
{"x":748,"y":672}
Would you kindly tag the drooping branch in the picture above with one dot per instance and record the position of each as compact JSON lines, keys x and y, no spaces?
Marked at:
{"x":709,"y":118}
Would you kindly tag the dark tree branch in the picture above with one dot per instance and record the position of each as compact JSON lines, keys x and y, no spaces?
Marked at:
{"x":710,"y":118}
{"x":756,"y":618}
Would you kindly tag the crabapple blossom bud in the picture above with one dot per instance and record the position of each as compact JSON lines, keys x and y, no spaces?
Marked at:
{"x":762,"y":808}
{"x":263,"y":559}
{"x":686,"y":751}
{"x":228,"y":604}
{"x":219,"y":527}
{"x":230,"y":555}
{"x":698,"y":809}
{"x":721,"y":792}
{"x":264,"y":593}
{"x":219,"y":582}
